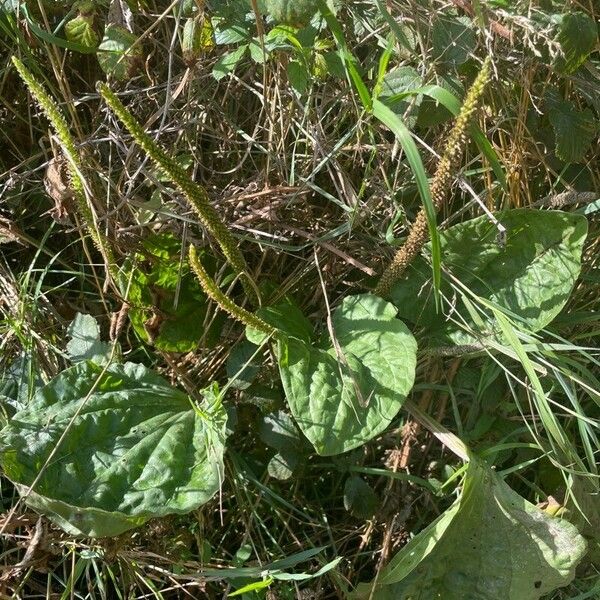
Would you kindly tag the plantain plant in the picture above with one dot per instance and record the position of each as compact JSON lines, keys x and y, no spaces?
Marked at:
{"x":154,"y":450}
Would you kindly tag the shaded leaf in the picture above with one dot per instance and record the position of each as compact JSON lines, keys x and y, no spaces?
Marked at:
{"x":531,"y":275}
{"x":453,"y":40}
{"x":575,"y":130}
{"x":119,"y":54}
{"x":359,"y":498}
{"x":85,"y":343}
{"x":168,"y":307}
{"x":282,"y":465}
{"x":278,"y":431}
{"x":490,"y":545}
{"x":577,"y":36}
{"x":243,"y":365}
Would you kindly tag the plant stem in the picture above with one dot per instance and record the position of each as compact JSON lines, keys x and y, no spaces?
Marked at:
{"x":440,"y":184}
{"x":194,"y":192}
{"x":211,"y":289}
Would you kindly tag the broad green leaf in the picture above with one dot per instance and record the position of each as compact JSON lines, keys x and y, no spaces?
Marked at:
{"x":282,"y":465}
{"x":243,"y":365}
{"x":346,"y":392}
{"x":577,"y":36}
{"x":168,"y":307}
{"x":575,"y":130}
{"x":85,"y":343}
{"x":119,"y":54}
{"x":395,"y":85}
{"x":490,"y":545}
{"x":106,"y":450}
{"x":287,"y":317}
{"x":530,"y":275}
{"x":278,"y":431}
{"x":81,"y":31}
{"x":228,"y":62}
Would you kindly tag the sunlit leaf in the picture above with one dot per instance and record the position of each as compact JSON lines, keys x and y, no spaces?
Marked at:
{"x":108,"y":449}
{"x":490,"y":545}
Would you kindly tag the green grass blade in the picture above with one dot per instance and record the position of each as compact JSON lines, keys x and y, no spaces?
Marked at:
{"x":391,"y":120}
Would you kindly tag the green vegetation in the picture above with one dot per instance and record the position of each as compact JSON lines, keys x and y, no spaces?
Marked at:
{"x":304,"y":355}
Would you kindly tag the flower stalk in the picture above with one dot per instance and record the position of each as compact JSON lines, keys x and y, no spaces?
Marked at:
{"x":195,"y":194}
{"x":212,"y":290}
{"x":74,"y":164}
{"x":440,"y":184}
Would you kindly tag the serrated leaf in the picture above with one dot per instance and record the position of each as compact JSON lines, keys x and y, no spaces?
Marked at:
{"x":119,"y":54}
{"x":490,"y":545}
{"x":577,"y":36}
{"x":113,"y":448}
{"x":85,"y":343}
{"x":359,"y":498}
{"x":228,"y":62}
{"x":453,"y":40}
{"x":168,"y":307}
{"x":531,"y":275}
{"x":80,"y":30}
{"x":396,"y":82}
{"x":344,"y":395}
{"x":575,"y":130}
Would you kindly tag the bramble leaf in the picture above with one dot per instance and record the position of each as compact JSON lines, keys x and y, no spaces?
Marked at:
{"x":110,"y":448}
{"x":577,"y":36}
{"x":168,"y":307}
{"x":119,"y":53}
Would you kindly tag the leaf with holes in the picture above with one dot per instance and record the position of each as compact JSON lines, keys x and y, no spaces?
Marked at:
{"x":106,"y":450}
{"x":529,"y":275}
{"x":343,"y":393}
{"x":490,"y":545}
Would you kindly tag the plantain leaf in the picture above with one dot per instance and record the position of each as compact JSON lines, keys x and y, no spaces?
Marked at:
{"x":530,"y":274}
{"x":106,"y":450}
{"x":490,"y":545}
{"x":345,"y":393}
